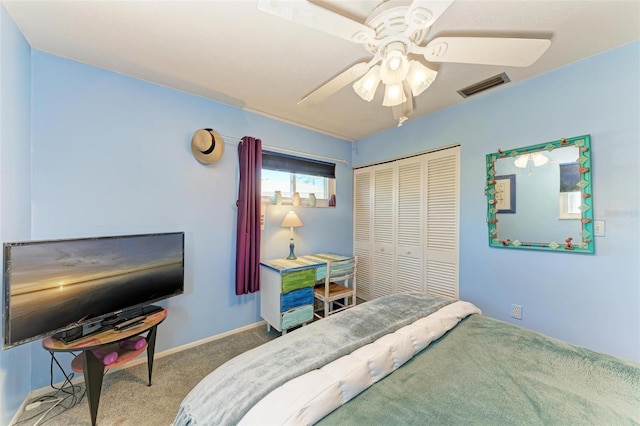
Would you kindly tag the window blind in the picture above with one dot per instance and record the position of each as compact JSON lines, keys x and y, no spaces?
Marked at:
{"x":291,"y":164}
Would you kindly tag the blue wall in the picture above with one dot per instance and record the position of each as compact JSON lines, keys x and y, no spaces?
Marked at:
{"x":589,"y":300}
{"x":15,"y":187}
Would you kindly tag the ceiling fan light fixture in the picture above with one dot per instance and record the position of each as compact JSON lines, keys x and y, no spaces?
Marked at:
{"x":521,"y":161}
{"x":394,"y":95}
{"x":394,"y":63}
{"x":420,"y":77}
{"x":538,"y":159}
{"x":367,"y":85}
{"x":394,"y":67}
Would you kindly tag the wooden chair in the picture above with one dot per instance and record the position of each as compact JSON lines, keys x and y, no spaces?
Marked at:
{"x":338,"y":292}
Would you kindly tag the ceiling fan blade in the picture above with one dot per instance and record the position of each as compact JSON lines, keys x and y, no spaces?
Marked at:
{"x":314,"y":16}
{"x":335,"y":84}
{"x":513,"y":52}
{"x":421,"y":14}
{"x":338,"y":82}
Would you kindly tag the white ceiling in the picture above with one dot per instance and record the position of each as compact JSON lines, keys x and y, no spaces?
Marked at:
{"x":230,"y":52}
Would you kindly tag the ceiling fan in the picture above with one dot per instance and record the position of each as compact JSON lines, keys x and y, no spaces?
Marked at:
{"x":394,"y":30}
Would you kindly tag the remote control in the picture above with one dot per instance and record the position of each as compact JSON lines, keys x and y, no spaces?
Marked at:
{"x":129,"y":323}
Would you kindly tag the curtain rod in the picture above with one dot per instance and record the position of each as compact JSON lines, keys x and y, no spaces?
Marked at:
{"x":288,"y":151}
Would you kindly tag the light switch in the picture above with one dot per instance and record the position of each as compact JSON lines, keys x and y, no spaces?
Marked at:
{"x":598,"y":228}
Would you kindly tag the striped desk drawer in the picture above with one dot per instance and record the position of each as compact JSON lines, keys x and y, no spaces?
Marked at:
{"x":303,"y":296}
{"x":298,"y":279}
{"x":296,"y":316}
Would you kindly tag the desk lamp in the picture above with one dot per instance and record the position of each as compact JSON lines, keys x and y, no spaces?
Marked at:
{"x":291,"y":220}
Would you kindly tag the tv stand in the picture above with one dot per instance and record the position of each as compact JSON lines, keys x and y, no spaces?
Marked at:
{"x":92,"y":367}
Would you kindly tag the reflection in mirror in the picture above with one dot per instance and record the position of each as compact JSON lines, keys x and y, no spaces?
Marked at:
{"x":539,"y":197}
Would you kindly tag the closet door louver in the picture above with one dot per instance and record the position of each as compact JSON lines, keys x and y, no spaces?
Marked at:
{"x":441,"y":236}
{"x":409,"y":252}
{"x":383,"y":230}
{"x":362,"y":231}
{"x":406,"y":225}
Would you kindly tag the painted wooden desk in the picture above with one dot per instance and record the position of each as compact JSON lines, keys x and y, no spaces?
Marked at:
{"x":286,"y":288}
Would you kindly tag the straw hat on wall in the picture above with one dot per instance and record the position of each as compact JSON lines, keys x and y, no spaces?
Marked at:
{"x":207,"y":145}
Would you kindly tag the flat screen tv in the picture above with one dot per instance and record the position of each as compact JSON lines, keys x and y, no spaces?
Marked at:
{"x":53,"y":286}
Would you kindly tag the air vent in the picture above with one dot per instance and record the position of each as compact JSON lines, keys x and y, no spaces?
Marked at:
{"x":494,"y":81}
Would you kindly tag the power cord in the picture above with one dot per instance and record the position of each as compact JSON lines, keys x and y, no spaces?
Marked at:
{"x":57,"y":401}
{"x":65,"y":396}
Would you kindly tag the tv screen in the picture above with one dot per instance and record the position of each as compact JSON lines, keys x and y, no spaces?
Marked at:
{"x":50,"y":286}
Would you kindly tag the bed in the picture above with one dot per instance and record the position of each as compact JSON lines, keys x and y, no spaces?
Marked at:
{"x":416,"y":359}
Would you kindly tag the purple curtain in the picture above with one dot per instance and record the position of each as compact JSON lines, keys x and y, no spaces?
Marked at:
{"x":249,"y":199}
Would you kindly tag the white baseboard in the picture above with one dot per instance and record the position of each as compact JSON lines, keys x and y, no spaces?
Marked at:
{"x":200,"y":342}
{"x":37,"y":393}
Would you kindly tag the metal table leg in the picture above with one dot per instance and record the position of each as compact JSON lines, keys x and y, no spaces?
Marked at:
{"x":151,"y":347}
{"x":93,"y":374}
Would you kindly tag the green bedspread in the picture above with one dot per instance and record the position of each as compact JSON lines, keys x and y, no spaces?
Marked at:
{"x":487,"y":372}
{"x":225,"y":395}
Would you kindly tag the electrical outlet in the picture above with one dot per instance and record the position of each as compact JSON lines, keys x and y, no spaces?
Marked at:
{"x":598,"y":228}
{"x":516,"y":311}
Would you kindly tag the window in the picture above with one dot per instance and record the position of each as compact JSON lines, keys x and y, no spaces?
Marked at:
{"x":570,"y":195}
{"x":289,"y":175}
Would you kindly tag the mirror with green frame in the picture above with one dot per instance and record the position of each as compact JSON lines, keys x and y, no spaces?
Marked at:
{"x":540,"y":197}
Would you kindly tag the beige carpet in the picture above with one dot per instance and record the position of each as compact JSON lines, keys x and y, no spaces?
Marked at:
{"x":127,"y":400}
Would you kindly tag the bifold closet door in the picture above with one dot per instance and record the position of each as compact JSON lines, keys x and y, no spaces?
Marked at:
{"x":406,"y":225}
{"x":362,"y":233}
{"x":409,"y":226}
{"x":374,"y":230}
{"x":384,"y":199}
{"x":442,"y":176}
